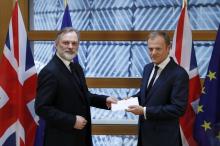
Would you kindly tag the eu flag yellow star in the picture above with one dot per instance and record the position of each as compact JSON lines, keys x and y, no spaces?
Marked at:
{"x":199,"y":109}
{"x":211,"y":75}
{"x":206,"y":125}
{"x":65,"y":2}
{"x":203,"y":90}
{"x":218,"y":136}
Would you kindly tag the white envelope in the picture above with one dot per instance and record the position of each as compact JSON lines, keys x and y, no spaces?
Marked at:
{"x":123,"y":104}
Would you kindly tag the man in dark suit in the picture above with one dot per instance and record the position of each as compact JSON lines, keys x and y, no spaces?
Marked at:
{"x":162,"y":96}
{"x":63,"y":99}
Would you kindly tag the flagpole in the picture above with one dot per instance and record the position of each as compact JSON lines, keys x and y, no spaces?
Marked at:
{"x":184,"y":3}
{"x":15,"y":1}
{"x":65,"y":3}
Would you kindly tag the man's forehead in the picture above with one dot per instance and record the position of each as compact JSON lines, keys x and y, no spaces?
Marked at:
{"x":69,"y":36}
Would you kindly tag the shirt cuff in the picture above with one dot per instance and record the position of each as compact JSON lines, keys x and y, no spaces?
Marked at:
{"x":145,"y":116}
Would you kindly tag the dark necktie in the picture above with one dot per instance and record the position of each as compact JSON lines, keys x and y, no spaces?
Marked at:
{"x":73,"y":71}
{"x":153,"y":78}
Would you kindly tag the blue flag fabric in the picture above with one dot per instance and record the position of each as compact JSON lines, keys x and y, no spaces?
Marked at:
{"x":66,"y":22}
{"x":207,"y":126}
{"x":66,"y":18}
{"x":39,"y":138}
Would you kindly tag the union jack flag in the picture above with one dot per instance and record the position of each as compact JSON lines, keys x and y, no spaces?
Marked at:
{"x":17,"y":86}
{"x":184,"y":54}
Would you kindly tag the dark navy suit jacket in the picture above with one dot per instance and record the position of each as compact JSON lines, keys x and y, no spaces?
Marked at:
{"x":59,"y":99}
{"x":165,"y":103}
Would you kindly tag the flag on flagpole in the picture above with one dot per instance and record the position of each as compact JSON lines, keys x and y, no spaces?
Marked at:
{"x":207,"y":127}
{"x":66,"y":22}
{"x":183,"y":53}
{"x":18,"y":81}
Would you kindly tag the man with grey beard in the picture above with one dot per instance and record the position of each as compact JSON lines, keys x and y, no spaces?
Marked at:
{"x":63,"y":99}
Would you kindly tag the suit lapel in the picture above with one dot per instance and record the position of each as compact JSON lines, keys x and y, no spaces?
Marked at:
{"x":161,"y":79}
{"x":69,"y":75}
{"x":145,"y":81}
{"x":80,"y":74}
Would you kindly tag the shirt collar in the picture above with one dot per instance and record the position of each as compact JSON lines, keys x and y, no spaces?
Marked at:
{"x":163,"y":64}
{"x":66,"y":62}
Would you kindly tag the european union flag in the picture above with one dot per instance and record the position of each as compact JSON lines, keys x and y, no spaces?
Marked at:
{"x":66,"y":18}
{"x":67,"y":23}
{"x":207,"y":126}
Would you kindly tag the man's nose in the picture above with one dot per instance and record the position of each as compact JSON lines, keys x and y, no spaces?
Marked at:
{"x":153,"y":51}
{"x":70,"y":45}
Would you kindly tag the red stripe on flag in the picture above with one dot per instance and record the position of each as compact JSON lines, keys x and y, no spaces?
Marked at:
{"x":19,"y":94}
{"x":30,"y":83}
{"x":179,"y":36}
{"x":28,"y":123}
{"x":187,"y":124}
{"x":15,"y":32}
{"x":21,"y":143}
{"x":194,"y":88}
{"x":16,"y":107}
{"x":8,"y":111}
{"x":187,"y":121}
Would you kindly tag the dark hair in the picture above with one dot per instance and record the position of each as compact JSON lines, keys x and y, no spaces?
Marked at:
{"x":163,"y":34}
{"x":66,"y":30}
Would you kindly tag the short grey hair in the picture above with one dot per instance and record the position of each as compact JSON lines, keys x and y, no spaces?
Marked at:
{"x":67,"y":30}
{"x":163,"y":34}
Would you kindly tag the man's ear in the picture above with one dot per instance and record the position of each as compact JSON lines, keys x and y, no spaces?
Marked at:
{"x":56,"y":43}
{"x":169,"y":47}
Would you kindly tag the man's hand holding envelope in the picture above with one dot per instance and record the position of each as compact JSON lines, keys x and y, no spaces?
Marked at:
{"x":126,"y":104}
